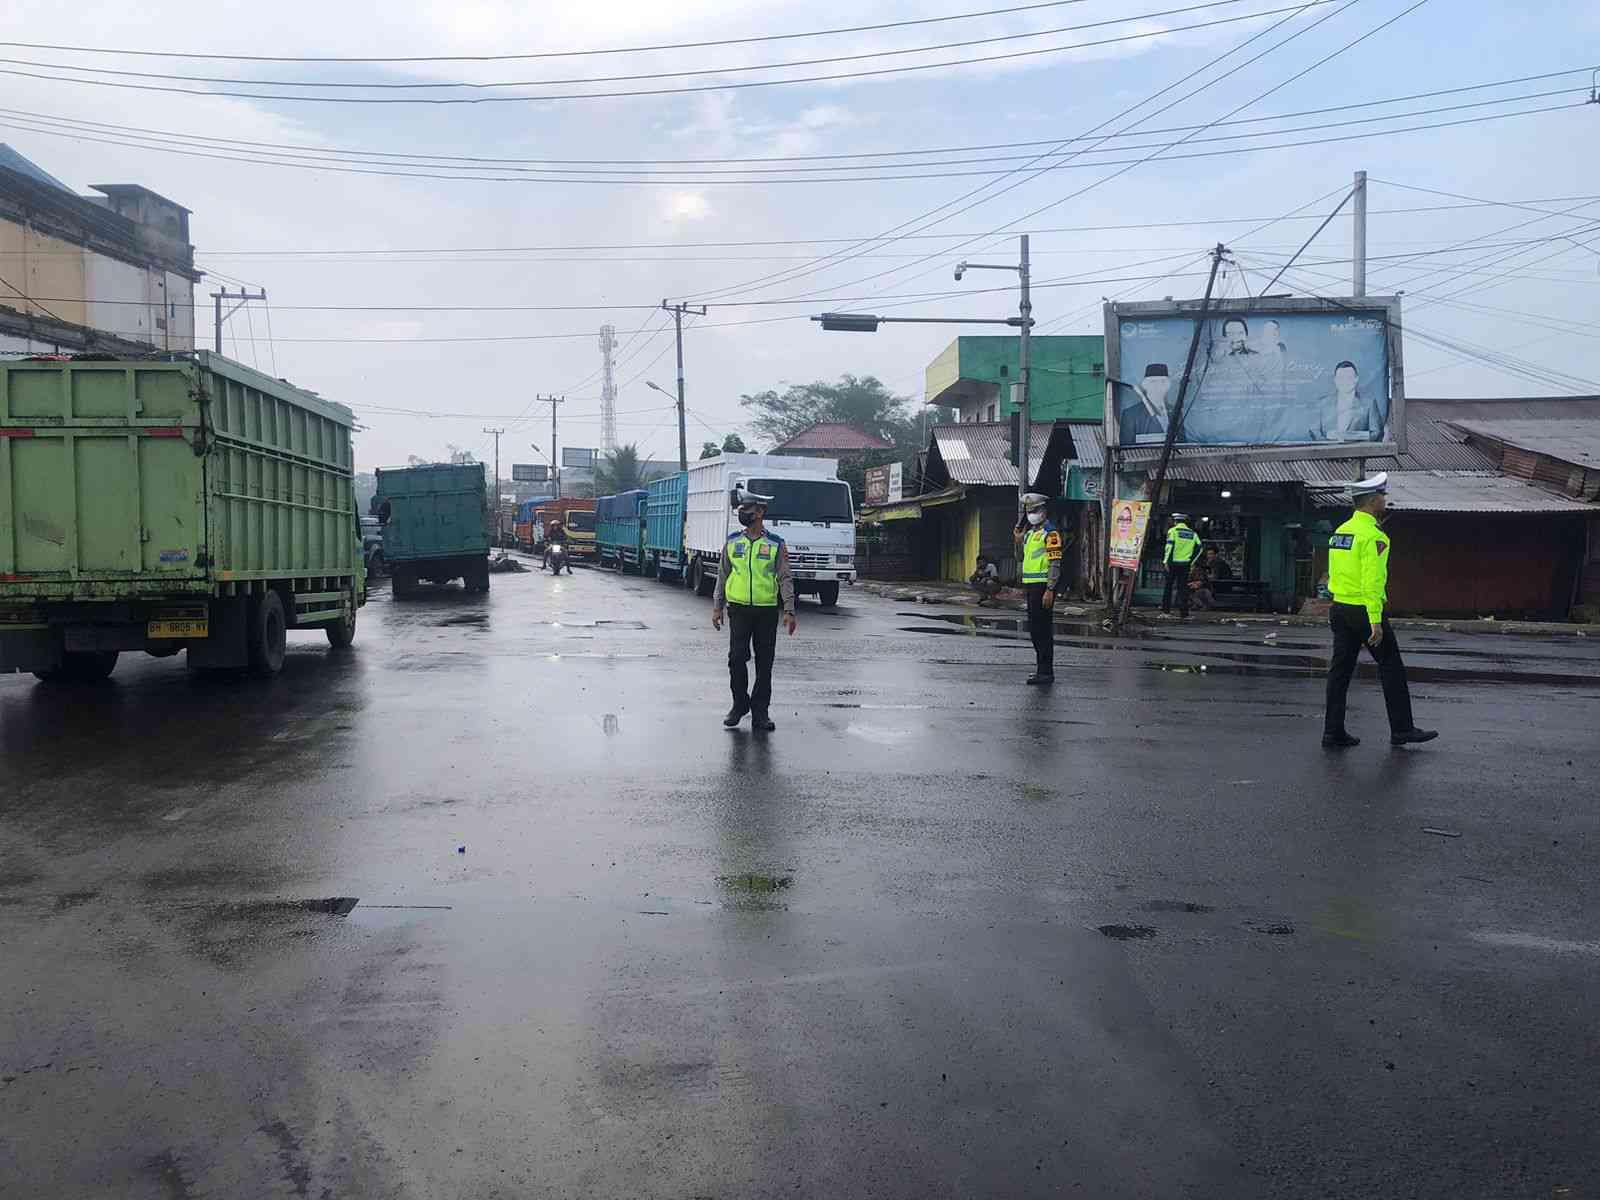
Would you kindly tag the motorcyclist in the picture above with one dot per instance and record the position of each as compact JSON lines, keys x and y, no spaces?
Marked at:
{"x":555,"y":535}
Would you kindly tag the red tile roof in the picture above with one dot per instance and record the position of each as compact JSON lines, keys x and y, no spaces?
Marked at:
{"x":832,"y":435}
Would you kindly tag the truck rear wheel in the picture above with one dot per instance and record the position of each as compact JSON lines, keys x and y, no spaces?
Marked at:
{"x":404,"y":582}
{"x":477,"y":577}
{"x":268,"y":634}
{"x":343,"y":631}
{"x":828,"y":593}
{"x":88,"y":666}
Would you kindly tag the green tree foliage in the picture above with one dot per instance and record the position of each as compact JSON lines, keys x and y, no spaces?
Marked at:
{"x":861,"y":401}
{"x":732,"y":444}
{"x":619,"y":471}
{"x":709,"y":450}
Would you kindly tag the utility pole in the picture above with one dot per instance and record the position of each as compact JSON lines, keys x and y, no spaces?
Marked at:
{"x":499,"y":531}
{"x":1175,"y":423}
{"x":1026,"y":313}
{"x":555,"y":472}
{"x":608,"y":390}
{"x":677,"y":311}
{"x":1359,"y":263}
{"x":243,"y":297}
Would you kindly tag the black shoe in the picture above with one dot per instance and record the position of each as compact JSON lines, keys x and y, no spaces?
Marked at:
{"x":762,"y":723}
{"x":1339,"y":741}
{"x":1411,"y":736}
{"x":735,"y":715}
{"x":1042,"y":678}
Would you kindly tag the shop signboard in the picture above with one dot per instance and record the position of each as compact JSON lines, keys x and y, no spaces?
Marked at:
{"x":1316,"y":373}
{"x":886,"y":484}
{"x":529,"y":473}
{"x":1128,"y":521}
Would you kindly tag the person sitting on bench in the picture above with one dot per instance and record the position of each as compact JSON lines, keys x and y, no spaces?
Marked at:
{"x":986,"y":579}
{"x":1212,"y":566}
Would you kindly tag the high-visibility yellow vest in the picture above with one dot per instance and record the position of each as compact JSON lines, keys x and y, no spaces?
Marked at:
{"x":1358,"y":564}
{"x":1183,"y":544}
{"x":1040,"y":548}
{"x":753,"y":569}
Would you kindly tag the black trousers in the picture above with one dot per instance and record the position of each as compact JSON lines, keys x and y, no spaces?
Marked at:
{"x":1177,"y":577}
{"x":1041,"y":629}
{"x":1351,"y":629}
{"x":757,"y":626}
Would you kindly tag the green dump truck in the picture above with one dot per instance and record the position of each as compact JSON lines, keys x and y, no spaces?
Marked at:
{"x":436,"y":525}
{"x":161,"y":505}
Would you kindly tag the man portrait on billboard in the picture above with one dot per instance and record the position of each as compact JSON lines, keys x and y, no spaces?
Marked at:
{"x":1144,"y":413}
{"x":1347,"y":413}
{"x":1235,"y":339}
{"x":1271,"y":339}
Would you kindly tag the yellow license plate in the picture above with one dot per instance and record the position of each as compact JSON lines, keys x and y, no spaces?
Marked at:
{"x":178,"y":629}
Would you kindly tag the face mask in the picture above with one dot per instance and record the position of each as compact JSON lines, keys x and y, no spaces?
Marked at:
{"x":1036,"y":518}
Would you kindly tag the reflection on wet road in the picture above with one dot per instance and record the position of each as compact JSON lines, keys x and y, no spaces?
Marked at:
{"x":492,"y":905}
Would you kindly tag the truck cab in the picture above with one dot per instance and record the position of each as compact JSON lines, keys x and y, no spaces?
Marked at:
{"x":816,"y":519}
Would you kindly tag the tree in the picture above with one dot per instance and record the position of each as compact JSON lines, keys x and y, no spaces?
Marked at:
{"x":862,"y":402}
{"x":620,"y":471}
{"x":731,"y":444}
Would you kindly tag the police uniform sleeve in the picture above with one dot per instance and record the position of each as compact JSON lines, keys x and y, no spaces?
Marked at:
{"x":719,"y":600}
{"x":785,"y":580}
{"x":1375,"y":576}
{"x":1166,"y":555}
{"x":1052,"y":554}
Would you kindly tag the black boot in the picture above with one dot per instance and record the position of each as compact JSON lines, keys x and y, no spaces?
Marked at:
{"x":735,"y":715}
{"x":1339,"y":741}
{"x":762,"y":723}
{"x":1412,"y":735}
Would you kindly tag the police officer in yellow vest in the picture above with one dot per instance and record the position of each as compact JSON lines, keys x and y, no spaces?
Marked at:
{"x":1183,"y":547}
{"x":1358,"y":576}
{"x":1039,"y":549}
{"x":753,"y":584}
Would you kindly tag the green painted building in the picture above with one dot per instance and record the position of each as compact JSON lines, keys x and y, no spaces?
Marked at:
{"x":974,"y":375}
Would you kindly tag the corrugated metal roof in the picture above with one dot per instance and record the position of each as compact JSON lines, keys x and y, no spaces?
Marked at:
{"x":1089,"y":444}
{"x":1462,"y":492}
{"x":832,"y":435}
{"x":980,"y":452}
{"x":1571,"y":441}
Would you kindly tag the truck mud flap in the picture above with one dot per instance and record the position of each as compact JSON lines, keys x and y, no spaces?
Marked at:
{"x":29,"y":650}
{"x":226,"y":648}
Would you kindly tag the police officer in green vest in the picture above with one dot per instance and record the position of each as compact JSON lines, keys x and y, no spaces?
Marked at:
{"x":753,"y":585}
{"x":1183,"y":547}
{"x":1358,"y":576}
{"x":1039,"y":550}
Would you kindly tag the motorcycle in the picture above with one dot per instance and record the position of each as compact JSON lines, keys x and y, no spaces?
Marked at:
{"x":555,"y":557}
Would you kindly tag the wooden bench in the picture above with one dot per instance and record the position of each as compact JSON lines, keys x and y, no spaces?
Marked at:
{"x":1249,"y":595}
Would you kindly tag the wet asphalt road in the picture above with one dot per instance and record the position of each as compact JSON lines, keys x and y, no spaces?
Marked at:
{"x":939,"y":935}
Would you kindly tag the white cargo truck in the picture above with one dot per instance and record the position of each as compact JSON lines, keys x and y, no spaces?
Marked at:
{"x":811,"y":510}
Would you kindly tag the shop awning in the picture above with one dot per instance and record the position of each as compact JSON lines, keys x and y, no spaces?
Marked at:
{"x":911,"y":509}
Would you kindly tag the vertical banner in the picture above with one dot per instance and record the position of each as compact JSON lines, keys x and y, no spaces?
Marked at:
{"x":1128,"y":521}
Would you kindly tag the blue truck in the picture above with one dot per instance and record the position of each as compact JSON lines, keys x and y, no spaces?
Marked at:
{"x":435,"y":526}
{"x":619,"y":529}
{"x":664,"y":507}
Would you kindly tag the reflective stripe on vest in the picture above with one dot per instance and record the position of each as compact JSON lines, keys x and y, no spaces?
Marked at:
{"x":1035,"y":562}
{"x":1183,"y":543}
{"x":752,"y":571}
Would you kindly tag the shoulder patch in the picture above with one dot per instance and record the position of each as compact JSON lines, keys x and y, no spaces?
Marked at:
{"x":1052,"y":540}
{"x":1381,"y":545}
{"x":1341,"y":541}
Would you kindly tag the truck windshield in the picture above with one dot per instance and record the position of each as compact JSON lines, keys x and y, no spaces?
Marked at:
{"x":579,"y":521}
{"x":804,"y":499}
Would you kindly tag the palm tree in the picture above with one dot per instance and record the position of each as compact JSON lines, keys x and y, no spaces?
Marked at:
{"x":621,"y":471}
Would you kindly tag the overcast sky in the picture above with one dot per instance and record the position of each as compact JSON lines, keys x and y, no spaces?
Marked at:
{"x":248,"y":214}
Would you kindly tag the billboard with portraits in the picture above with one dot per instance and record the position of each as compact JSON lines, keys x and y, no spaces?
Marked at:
{"x":1285,"y":372}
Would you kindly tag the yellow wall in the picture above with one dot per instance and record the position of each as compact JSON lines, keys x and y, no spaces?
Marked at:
{"x":958,"y":543}
{"x":45,"y":267}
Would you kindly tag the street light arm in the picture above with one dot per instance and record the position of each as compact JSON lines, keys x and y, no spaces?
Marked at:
{"x":972,"y":266}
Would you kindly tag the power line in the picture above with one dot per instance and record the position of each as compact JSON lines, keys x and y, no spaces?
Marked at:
{"x":677,"y":91}
{"x":789,"y":64}
{"x":786,"y":174}
{"x":430,"y":58}
{"x":482,"y":160}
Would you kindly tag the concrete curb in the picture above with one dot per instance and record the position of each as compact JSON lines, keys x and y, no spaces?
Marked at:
{"x":924,"y":592}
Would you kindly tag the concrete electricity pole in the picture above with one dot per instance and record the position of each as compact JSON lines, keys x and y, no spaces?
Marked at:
{"x":243,"y":297}
{"x":608,"y":389}
{"x":499,"y":531}
{"x":677,"y":311}
{"x":1359,"y":265}
{"x":555,"y":472}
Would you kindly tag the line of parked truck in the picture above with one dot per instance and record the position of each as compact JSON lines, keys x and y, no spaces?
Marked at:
{"x":676,"y":527}
{"x":189,"y":503}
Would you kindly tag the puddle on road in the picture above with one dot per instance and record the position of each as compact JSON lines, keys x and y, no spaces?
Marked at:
{"x":754,"y":892}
